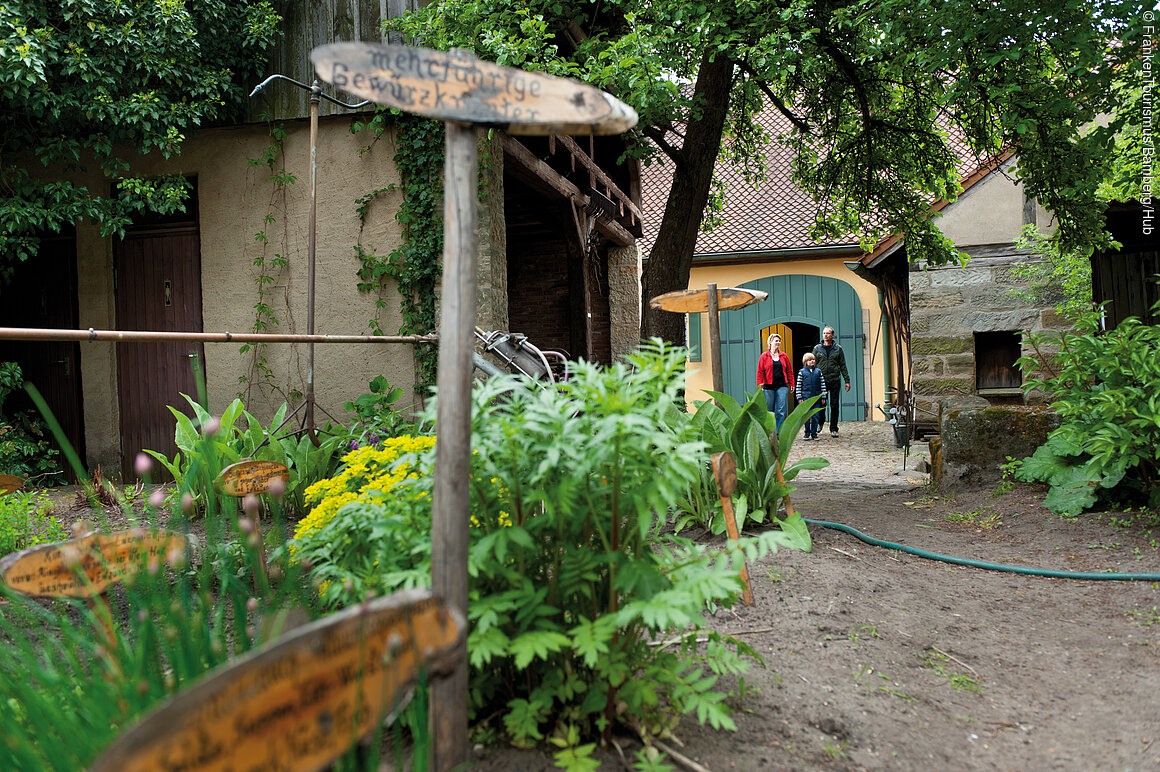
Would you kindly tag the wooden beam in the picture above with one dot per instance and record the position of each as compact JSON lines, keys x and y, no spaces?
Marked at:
{"x":542,"y":177}
{"x":599,"y":174}
{"x":539,"y":175}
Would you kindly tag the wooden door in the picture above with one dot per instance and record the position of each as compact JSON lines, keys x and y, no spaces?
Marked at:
{"x":43,"y":293}
{"x":158,"y":285}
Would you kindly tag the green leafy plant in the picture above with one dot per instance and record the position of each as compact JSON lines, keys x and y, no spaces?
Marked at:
{"x":748,"y":431}
{"x":574,"y":569}
{"x":112,"y":83}
{"x":74,"y":675}
{"x":416,"y":264}
{"x":960,"y":682}
{"x":233,"y":442}
{"x":375,"y":416}
{"x":266,"y":270}
{"x":26,"y":519}
{"x":25,"y":448}
{"x":1105,"y":385}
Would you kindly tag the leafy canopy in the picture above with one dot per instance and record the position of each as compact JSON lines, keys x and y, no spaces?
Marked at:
{"x":97,"y":82}
{"x":874,"y":90}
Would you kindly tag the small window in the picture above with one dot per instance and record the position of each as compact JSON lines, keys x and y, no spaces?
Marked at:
{"x":995,"y":356}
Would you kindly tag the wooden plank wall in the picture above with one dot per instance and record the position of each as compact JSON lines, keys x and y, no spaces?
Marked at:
{"x":310,"y":23}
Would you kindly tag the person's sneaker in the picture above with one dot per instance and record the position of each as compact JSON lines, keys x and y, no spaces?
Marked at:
{"x":833,"y":432}
{"x":807,"y":437}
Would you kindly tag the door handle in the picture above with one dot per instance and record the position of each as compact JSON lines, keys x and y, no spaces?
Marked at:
{"x":67,"y":367}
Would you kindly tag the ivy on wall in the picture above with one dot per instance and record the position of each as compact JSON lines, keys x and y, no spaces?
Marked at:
{"x":415,"y":265}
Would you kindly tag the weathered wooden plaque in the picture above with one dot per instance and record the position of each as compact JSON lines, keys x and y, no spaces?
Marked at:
{"x":10,"y":483}
{"x":85,"y":567}
{"x":297,"y":704}
{"x":457,"y":86}
{"x":695,"y":301}
{"x":250,"y":477}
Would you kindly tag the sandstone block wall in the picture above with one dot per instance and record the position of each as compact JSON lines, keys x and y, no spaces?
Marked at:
{"x":948,"y":306}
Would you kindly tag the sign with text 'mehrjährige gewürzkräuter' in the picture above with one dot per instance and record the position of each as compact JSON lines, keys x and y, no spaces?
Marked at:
{"x":457,"y":86}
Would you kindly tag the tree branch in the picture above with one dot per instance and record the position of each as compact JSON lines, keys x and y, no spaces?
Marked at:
{"x":793,"y":118}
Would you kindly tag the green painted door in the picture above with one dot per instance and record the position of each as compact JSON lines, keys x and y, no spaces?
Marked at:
{"x":806,"y":303}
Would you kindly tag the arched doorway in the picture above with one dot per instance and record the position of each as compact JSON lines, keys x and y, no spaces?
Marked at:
{"x":797,"y":308}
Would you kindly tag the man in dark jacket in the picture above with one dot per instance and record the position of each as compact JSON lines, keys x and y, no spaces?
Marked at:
{"x":832,"y":362}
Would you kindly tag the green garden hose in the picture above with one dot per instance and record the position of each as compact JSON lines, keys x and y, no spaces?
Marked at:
{"x":1123,"y":577}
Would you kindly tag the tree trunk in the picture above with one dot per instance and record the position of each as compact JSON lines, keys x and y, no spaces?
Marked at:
{"x":671,"y":259}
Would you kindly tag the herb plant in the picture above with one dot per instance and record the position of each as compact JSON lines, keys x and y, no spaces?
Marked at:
{"x":574,"y":567}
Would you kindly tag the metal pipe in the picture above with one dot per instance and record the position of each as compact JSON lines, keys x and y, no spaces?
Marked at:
{"x":315,"y":98}
{"x":148,"y":336}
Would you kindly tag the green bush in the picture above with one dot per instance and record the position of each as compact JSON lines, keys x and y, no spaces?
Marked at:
{"x":26,"y":520}
{"x":574,"y":568}
{"x":25,"y":448}
{"x":1106,"y":387}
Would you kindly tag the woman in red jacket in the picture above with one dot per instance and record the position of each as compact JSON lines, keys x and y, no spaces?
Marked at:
{"x":775,"y":376}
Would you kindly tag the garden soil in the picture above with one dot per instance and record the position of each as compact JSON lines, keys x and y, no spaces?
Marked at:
{"x":876,"y":659}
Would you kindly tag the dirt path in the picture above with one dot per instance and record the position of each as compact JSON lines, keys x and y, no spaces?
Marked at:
{"x":881,"y":660}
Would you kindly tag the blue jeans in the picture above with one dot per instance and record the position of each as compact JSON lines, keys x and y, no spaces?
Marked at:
{"x":813,"y":423}
{"x":777,"y":402}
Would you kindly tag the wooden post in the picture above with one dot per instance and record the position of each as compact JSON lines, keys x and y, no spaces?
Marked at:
{"x":715,"y":338}
{"x":462,"y":91}
{"x":450,"y":500}
{"x":725,"y":471}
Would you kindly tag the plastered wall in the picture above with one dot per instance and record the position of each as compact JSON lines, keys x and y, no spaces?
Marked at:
{"x":699,"y":377}
{"x":235,"y":200}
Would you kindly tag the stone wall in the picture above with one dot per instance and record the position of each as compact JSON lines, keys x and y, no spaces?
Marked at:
{"x":948,"y":306}
{"x":976,"y":439}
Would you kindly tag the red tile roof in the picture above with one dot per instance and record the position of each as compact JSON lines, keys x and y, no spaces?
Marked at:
{"x":774,"y":214}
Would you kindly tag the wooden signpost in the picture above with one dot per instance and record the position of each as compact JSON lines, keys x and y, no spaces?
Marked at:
{"x":466,"y":93}
{"x":298,"y":703}
{"x":251,"y":478}
{"x":456,"y":86}
{"x":725,"y":471}
{"x":711,"y":300}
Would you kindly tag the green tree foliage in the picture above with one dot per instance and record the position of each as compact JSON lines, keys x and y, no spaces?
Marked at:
{"x":872,"y":88}
{"x":96,"y":82}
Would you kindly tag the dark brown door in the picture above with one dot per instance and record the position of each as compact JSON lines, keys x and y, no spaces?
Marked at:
{"x":43,"y":293}
{"x":158,"y":288}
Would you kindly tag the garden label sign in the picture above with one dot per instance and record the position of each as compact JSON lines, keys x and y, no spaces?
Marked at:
{"x":297,"y":704}
{"x":250,"y":477}
{"x":456,"y":86}
{"x":465,"y":93}
{"x":85,"y":567}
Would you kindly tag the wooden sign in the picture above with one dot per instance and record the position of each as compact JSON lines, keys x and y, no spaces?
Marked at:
{"x":297,"y":704}
{"x":250,"y":477}
{"x":85,"y":567}
{"x":695,"y":301}
{"x":10,"y":483}
{"x":457,"y":86}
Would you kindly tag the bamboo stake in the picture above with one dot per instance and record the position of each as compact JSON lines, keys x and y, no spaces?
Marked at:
{"x":725,"y":470}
